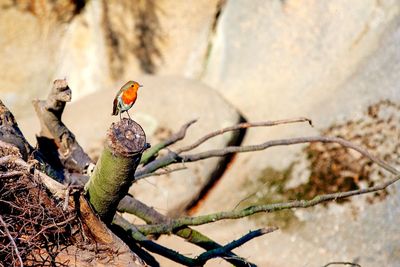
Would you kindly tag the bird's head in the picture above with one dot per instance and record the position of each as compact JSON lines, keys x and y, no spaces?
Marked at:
{"x":132,"y":84}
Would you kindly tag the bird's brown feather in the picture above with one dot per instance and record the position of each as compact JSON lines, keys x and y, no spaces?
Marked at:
{"x":115,"y":111}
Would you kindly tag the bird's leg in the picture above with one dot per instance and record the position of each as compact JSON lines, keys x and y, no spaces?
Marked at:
{"x":128,"y":115}
{"x":120,"y":118}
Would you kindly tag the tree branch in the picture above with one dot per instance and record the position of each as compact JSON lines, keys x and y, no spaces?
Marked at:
{"x":12,"y":241}
{"x":150,"y":245}
{"x":179,"y":258}
{"x":56,"y":141}
{"x":149,"y":215}
{"x":219,"y":252}
{"x":237,"y":214}
{"x":151,"y":152}
{"x":11,"y":134}
{"x":342,"y":263}
{"x":240,"y":126}
{"x":173,"y":157}
{"x":11,"y":174}
{"x":94,"y":228}
{"x":159,"y":173}
{"x":285,"y":142}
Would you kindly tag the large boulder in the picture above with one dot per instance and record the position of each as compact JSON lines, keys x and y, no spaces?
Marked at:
{"x":279,"y":58}
{"x":303,"y":71}
{"x":286,"y":60}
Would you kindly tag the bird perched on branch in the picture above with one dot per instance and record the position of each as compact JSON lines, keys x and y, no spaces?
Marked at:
{"x":125,"y":98}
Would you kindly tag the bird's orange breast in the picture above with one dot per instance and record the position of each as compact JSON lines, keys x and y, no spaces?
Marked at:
{"x":129,"y":96}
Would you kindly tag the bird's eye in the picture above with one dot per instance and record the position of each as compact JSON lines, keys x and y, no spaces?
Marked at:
{"x":132,"y":85}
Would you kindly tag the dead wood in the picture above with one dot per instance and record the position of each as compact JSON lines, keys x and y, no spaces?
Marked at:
{"x":56,"y":141}
{"x":42,"y":231}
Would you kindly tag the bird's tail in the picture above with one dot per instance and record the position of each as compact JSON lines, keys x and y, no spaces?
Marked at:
{"x":115,"y":110}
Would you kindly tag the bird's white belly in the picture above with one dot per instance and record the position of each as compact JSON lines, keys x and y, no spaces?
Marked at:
{"x":122,"y":106}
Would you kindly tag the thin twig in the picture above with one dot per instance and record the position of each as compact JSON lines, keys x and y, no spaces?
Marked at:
{"x":159,"y":173}
{"x":12,"y":241}
{"x":11,"y":174}
{"x":234,"y":244}
{"x":44,"y":228}
{"x":151,"y":152}
{"x":237,"y":214}
{"x":342,"y":263}
{"x":240,"y":126}
{"x":66,"y":199}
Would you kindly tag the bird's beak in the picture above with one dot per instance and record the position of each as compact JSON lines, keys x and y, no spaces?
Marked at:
{"x":140,"y":85}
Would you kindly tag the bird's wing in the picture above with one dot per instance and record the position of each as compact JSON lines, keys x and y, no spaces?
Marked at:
{"x":115,"y":110}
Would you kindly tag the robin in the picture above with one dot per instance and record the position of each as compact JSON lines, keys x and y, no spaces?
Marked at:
{"x":125,"y":98}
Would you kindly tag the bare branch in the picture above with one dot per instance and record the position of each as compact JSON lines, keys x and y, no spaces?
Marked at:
{"x":237,"y":214}
{"x":12,"y":241}
{"x":149,"y":215}
{"x":172,"y":157}
{"x":285,"y":142}
{"x":159,"y":173}
{"x":342,"y":263}
{"x":202,"y":258}
{"x":11,"y":174}
{"x":234,"y":244}
{"x":150,"y":245}
{"x":240,"y":126}
{"x":56,"y":141}
{"x":151,"y":152}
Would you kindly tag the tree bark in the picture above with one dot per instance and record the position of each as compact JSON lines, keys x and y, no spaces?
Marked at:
{"x":55,"y":136}
{"x":114,"y":171}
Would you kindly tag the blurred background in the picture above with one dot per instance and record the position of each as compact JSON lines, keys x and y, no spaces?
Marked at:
{"x":227,"y":61}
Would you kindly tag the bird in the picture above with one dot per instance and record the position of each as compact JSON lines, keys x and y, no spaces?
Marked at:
{"x":125,"y":98}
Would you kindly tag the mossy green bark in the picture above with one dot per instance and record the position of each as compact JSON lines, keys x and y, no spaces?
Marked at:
{"x":110,"y":182}
{"x":115,"y":170}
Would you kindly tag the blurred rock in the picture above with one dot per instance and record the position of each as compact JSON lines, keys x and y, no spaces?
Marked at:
{"x":83,"y":56}
{"x":93,"y":44}
{"x":284,"y":59}
{"x":30,"y":37}
{"x":164,"y":37}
